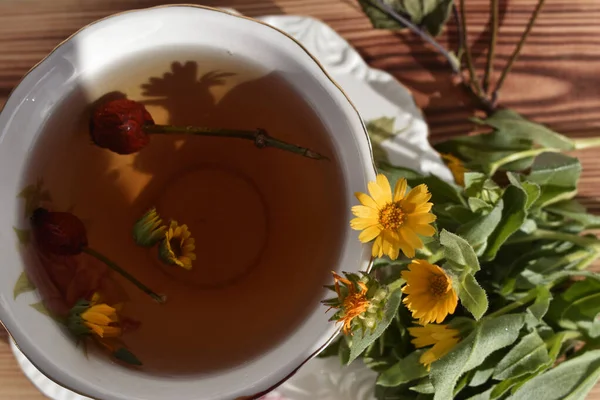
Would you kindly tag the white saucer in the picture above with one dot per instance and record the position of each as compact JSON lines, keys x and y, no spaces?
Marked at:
{"x":376,"y":94}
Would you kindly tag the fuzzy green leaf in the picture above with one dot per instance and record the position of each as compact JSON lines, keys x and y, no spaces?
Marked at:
{"x":430,"y":14}
{"x":570,"y":380}
{"x":557,"y":175}
{"x":404,"y":371}
{"x":380,"y":130}
{"x":22,"y":285}
{"x":510,"y":123}
{"x":575,"y":211}
{"x":489,"y":335}
{"x":542,"y":302}
{"x":459,"y":252}
{"x":471,"y":295}
{"x":360,"y":341}
{"x":513,"y":216}
{"x":526,"y":357}
{"x":441,"y":191}
{"x":477,"y":232}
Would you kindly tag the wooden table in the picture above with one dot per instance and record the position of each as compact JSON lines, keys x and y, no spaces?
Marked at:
{"x":556,"y":80}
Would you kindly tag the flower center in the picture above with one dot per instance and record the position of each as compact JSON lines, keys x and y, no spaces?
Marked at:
{"x":438,"y":285}
{"x":176,"y":247}
{"x":391,"y":216}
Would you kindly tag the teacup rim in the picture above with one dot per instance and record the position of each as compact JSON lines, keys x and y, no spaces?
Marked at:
{"x":241,"y":16}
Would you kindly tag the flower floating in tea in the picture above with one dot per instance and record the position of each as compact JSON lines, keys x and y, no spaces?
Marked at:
{"x":441,"y":337}
{"x":359,"y":301}
{"x":430,"y":296}
{"x":124,"y":126}
{"x":176,"y":244}
{"x":59,"y":233}
{"x":100,"y":321}
{"x":177,"y":247}
{"x":118,"y":125}
{"x":63,"y":234}
{"x":393,"y":220}
{"x":149,"y":229}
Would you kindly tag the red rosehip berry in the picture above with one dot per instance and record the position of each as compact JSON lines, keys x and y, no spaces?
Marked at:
{"x":118,"y":125}
{"x":59,"y":233}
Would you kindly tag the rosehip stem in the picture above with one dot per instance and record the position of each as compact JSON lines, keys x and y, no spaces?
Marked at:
{"x":112,"y":265}
{"x":260,"y":137}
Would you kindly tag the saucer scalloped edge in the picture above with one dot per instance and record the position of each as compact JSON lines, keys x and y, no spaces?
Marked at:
{"x":381,"y":99}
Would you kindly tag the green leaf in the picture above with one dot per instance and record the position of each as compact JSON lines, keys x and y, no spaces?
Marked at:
{"x":22,"y":285}
{"x":532,"y":189}
{"x":542,"y":302}
{"x":575,"y":211}
{"x":490,"y":335}
{"x":526,"y":357}
{"x":404,"y":371}
{"x":423,"y":386}
{"x":511,"y":123}
{"x":380,"y":130}
{"x":430,"y":14}
{"x":570,"y":380}
{"x":394,"y":173}
{"x":485,"y":371}
{"x":478,"y":231}
{"x":359,"y":342}
{"x":513,"y":216}
{"x":23,"y":235}
{"x":471,"y":295}
{"x":482,"y":396}
{"x":557,"y":175}
{"x":459,"y":252}
{"x":126,"y":356}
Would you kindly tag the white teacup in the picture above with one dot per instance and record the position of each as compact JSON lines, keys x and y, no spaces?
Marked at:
{"x":78,"y":63}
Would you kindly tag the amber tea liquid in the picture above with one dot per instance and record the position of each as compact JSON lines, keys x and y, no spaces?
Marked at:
{"x":267,"y":223}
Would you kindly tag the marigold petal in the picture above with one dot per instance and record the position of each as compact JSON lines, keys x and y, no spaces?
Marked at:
{"x":111,"y":331}
{"x":366,"y":200}
{"x":361,"y":211}
{"x":369,"y":234}
{"x":377,"y":250}
{"x":410,"y":237}
{"x":378,"y":195}
{"x":400,"y":190}
{"x":424,"y":230}
{"x":94,"y":328}
{"x":384,"y":184}
{"x":363,"y":223}
{"x":96,"y":318}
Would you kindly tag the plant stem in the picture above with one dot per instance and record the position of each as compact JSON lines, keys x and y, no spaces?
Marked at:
{"x":519,"y":156}
{"x":112,"y":265}
{"x":514,"y":305}
{"x":419,"y":32}
{"x":469,"y":59}
{"x":492,"y":50}
{"x":260,"y":137}
{"x":542,"y":234}
{"x":461,"y":44}
{"x":586,"y":143}
{"x":515,"y":53}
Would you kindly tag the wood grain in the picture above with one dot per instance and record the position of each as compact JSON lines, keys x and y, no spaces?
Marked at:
{"x":555,"y":81}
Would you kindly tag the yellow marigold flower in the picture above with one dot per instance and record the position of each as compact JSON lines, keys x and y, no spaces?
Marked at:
{"x":177,"y":247}
{"x":430,"y":296}
{"x":456,"y":166}
{"x":441,"y":337}
{"x":393,"y":220}
{"x":93,"y":317}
